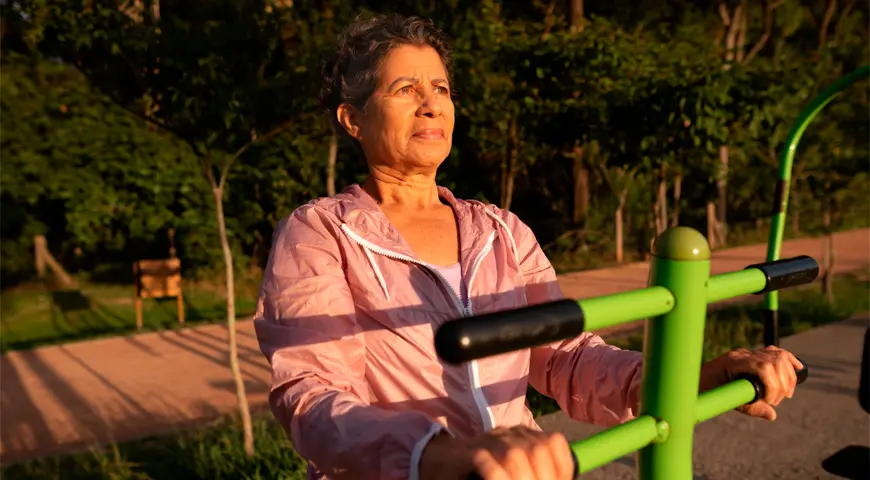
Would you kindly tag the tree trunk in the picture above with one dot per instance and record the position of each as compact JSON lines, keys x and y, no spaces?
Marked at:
{"x":581,"y":186}
{"x":509,"y":189}
{"x":509,"y":170}
{"x":577,"y":15}
{"x":711,"y":224}
{"x":678,"y":187}
{"x":330,"y":165}
{"x":722,"y":186}
{"x":662,"y":201}
{"x":828,"y":276}
{"x":242,"y":398}
{"x":619,"y":226}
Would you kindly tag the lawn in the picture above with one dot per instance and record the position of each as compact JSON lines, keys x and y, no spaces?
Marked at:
{"x":34,"y":316}
{"x":214,"y":451}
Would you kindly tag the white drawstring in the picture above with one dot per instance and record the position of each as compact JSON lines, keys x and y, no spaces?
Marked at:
{"x":509,"y":234}
{"x":356,"y":238}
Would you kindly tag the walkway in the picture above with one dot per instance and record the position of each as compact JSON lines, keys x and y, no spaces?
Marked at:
{"x":61,"y":398}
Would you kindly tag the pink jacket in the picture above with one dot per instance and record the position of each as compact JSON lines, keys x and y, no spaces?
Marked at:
{"x":346,"y":317}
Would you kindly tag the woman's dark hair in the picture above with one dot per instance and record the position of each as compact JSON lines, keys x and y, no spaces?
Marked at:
{"x":351,"y":74}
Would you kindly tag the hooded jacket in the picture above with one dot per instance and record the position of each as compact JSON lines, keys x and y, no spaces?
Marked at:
{"x":346,"y":317}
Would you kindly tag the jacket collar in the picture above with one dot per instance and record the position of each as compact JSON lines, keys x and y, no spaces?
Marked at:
{"x":361,"y":214}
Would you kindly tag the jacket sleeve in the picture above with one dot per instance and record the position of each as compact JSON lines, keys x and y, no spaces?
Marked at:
{"x":592,"y":381}
{"x":306,"y":328}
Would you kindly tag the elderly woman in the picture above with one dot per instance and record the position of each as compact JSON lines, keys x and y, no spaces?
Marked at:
{"x":357,"y":283}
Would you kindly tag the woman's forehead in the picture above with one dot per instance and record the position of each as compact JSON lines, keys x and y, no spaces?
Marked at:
{"x":413,"y":63}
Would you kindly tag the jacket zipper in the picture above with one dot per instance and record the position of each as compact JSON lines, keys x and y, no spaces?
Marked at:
{"x":465,"y":310}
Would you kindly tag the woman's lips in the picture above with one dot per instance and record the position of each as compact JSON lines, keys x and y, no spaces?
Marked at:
{"x":430,"y":134}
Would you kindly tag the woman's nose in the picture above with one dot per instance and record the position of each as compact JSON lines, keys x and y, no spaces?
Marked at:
{"x":431,"y":105}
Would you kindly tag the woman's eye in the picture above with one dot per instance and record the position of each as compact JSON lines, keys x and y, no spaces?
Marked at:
{"x":442,"y":90}
{"x":407,"y":89}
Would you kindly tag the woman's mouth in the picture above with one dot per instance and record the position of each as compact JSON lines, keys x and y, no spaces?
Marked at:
{"x":430,"y":134}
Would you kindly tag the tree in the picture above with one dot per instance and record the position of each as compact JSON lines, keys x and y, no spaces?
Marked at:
{"x":86,"y":174}
{"x":619,"y":178}
{"x":214,"y":74}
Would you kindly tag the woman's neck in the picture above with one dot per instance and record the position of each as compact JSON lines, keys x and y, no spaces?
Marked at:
{"x":392,"y":188}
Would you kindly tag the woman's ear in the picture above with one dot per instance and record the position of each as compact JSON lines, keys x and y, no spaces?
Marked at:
{"x":349,"y":118}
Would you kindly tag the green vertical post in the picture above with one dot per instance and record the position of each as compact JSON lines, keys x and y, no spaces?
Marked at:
{"x":783,"y":185}
{"x":673,"y":345}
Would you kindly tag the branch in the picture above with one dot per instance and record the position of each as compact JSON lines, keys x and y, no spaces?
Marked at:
{"x":733,"y":25}
{"x":206,"y":166}
{"x":809,"y":11}
{"x":549,"y":20}
{"x":768,"y":26}
{"x":843,"y":14}
{"x":723,"y":12}
{"x":741,"y":36}
{"x":254,"y":139}
{"x":117,"y":101}
{"x":193,"y":147}
{"x":826,"y":22}
{"x":770,"y":158}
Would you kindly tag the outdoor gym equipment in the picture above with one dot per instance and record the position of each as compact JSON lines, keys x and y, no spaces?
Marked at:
{"x":676,"y":305}
{"x":774,"y":242}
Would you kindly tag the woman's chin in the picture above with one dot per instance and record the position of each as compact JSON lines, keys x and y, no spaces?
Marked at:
{"x":429,"y":157}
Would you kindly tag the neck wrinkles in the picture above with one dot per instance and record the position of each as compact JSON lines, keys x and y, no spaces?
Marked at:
{"x":389,"y":187}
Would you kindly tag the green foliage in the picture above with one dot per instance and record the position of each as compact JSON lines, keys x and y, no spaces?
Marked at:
{"x":642,"y":87}
{"x":92,"y":178}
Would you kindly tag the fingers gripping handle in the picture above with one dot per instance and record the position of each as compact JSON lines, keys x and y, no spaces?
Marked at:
{"x":496,"y":333}
{"x":476,"y":476}
{"x":756,"y":382}
{"x":802,"y":375}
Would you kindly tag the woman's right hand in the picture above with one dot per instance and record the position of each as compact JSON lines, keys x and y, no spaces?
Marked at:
{"x":502,"y":454}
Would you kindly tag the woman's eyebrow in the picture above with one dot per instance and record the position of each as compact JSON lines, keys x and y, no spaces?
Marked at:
{"x":414,"y":80}
{"x":403,"y":79}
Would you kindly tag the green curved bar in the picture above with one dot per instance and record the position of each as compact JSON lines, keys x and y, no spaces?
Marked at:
{"x":774,"y":243}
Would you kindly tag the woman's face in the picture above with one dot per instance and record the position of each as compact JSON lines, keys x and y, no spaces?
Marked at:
{"x":407,"y":123}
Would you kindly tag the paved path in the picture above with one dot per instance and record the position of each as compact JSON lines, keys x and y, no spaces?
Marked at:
{"x":61,"y":398}
{"x":817,"y":425}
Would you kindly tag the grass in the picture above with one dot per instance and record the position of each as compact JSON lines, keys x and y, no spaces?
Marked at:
{"x":215,"y":451}
{"x":35,"y":316}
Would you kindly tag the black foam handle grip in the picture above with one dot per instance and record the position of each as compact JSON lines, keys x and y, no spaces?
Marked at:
{"x":802,"y":375}
{"x":788,"y":272}
{"x":491,"y":334}
{"x":476,"y":476}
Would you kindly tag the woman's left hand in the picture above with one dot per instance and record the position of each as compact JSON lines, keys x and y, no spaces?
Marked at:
{"x":773,"y":365}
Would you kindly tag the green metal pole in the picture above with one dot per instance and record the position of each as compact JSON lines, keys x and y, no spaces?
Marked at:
{"x":608,"y":445}
{"x":672,"y":350}
{"x":721,"y":399}
{"x":618,"y":308}
{"x":774,"y":243}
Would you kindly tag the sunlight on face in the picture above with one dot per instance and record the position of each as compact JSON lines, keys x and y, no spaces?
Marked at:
{"x":408,"y":121}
